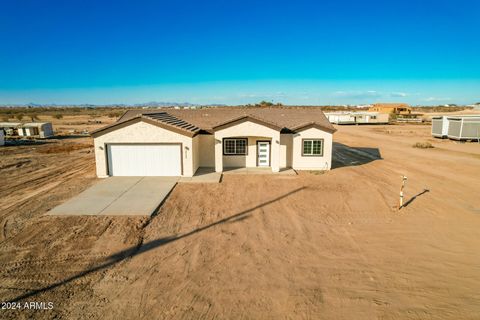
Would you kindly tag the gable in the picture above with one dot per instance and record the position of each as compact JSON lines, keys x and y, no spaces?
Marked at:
{"x":120,"y":125}
{"x":246,"y":128}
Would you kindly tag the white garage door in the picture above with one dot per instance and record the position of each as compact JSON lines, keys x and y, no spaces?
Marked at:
{"x":144,"y":160}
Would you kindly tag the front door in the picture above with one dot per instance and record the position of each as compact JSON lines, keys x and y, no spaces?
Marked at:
{"x":263,"y":153}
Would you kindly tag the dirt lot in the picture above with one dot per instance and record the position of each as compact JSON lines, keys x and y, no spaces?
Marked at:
{"x":330,"y":246}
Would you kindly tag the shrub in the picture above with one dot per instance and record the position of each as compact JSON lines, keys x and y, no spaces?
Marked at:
{"x":423,"y":145}
{"x":58,"y":116}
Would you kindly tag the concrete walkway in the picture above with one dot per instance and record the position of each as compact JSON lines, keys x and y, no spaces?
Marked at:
{"x":203,"y":175}
{"x":119,"y":196}
{"x":259,"y":170}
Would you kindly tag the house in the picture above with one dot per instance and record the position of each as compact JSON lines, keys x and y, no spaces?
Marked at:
{"x":396,"y":108}
{"x":347,"y":117}
{"x":36,"y":129}
{"x":176,"y":142}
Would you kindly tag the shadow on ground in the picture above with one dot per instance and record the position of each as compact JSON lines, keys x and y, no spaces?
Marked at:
{"x":346,"y":156}
{"x":144,"y":247}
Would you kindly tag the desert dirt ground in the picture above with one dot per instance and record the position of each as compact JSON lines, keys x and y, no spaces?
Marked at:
{"x":312,"y":246}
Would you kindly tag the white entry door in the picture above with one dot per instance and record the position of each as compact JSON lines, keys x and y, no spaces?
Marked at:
{"x":144,"y":160}
{"x":263,"y":153}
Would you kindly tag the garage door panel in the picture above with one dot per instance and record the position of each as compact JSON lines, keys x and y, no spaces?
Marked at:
{"x":144,"y":160}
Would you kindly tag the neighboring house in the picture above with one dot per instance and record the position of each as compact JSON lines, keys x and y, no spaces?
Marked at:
{"x":396,"y":108}
{"x":178,"y":142}
{"x":36,"y":129}
{"x":347,"y":117}
{"x":2,"y":138}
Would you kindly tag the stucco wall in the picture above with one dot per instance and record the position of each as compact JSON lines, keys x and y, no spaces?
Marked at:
{"x":300,"y":162}
{"x":142,"y":132}
{"x":286,"y":141}
{"x":206,"y":150}
{"x":196,"y":153}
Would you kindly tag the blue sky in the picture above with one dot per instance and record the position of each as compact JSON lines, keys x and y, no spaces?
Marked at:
{"x":295,"y":52}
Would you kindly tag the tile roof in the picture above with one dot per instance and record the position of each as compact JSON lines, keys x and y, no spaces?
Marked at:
{"x":208,"y":118}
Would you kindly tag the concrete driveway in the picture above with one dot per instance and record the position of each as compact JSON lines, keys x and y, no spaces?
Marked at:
{"x":119,"y":196}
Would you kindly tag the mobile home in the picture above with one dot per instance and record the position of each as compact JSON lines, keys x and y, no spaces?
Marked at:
{"x":36,"y":129}
{"x":357,"y":117}
{"x":10,"y":128}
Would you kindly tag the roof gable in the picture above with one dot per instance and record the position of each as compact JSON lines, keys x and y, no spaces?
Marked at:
{"x":246,"y":118}
{"x":161,"y":119}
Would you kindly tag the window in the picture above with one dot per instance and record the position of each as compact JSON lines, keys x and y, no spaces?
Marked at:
{"x":235,"y":146}
{"x":312,"y":147}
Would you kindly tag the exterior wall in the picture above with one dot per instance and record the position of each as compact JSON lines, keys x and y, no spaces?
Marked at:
{"x":286,"y":141}
{"x":2,"y":138}
{"x":300,"y":162}
{"x":142,"y":132}
{"x":206,"y":150}
{"x":195,"y":153}
{"x":253,"y":132}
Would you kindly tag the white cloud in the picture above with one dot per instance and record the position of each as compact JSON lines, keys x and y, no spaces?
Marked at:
{"x":432,"y":99}
{"x":358,"y":94}
{"x":398,"y":94}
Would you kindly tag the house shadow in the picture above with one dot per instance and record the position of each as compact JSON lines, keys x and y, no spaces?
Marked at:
{"x":346,"y":156}
{"x":151,"y":245}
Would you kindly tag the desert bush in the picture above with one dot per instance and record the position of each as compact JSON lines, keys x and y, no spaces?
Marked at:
{"x":19,"y":116}
{"x":114,"y":114}
{"x":58,"y":116}
{"x":423,"y":145}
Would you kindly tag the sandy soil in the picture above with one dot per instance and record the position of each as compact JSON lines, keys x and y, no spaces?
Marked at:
{"x":330,"y":246}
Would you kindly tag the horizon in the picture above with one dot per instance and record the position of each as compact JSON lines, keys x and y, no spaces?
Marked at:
{"x":238,"y":53}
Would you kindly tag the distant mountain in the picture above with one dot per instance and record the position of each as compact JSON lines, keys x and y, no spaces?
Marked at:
{"x":151,"y":104}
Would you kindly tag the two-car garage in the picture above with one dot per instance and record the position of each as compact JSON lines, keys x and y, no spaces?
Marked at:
{"x":145,"y":147}
{"x":146,"y":159}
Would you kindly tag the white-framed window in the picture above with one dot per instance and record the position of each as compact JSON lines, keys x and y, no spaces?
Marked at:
{"x":312,"y":147}
{"x":235,"y":146}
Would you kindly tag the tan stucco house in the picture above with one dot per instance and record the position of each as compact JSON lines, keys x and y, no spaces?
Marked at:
{"x":171,"y":142}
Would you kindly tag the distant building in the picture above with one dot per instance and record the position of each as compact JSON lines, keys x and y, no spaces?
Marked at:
{"x":32,"y":129}
{"x":357,"y":117}
{"x":10,"y":128}
{"x":396,"y":108}
{"x":36,"y":129}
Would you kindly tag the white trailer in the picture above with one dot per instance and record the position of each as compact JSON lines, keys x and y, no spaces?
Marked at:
{"x":36,"y":129}
{"x":440,"y":126}
{"x":464,"y":127}
{"x":357,"y":117}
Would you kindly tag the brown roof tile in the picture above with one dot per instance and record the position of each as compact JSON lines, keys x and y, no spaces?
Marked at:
{"x":208,"y":118}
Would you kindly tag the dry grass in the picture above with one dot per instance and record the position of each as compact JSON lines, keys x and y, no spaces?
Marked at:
{"x":423,"y":145}
{"x":67,"y":148}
